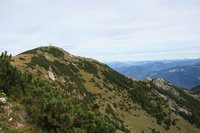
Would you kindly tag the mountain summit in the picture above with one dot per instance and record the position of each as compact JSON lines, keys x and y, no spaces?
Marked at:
{"x":60,"y":92}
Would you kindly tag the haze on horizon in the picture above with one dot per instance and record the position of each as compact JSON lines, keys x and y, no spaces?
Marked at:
{"x":106,"y":30}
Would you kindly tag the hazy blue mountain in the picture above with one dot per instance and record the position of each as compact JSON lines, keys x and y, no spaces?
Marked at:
{"x":169,"y":63}
{"x":182,"y":73}
{"x":181,"y":76}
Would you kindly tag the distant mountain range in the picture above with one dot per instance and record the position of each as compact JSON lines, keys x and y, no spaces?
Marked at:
{"x":182,"y":73}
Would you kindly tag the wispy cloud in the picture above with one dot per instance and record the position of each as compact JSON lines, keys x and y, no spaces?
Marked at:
{"x":105,"y":30}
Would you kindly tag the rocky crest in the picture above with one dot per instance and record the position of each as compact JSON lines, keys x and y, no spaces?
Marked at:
{"x":161,"y":83}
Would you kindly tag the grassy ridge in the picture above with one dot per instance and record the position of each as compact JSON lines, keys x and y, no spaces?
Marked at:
{"x":48,"y":106}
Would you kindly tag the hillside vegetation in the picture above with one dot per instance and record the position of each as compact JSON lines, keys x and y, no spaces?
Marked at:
{"x":50,"y":90}
{"x":48,"y":106}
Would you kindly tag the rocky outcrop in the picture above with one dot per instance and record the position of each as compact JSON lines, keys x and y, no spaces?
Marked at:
{"x":172,"y":104}
{"x":12,"y":118}
{"x":2,"y":100}
{"x":161,"y":83}
{"x":51,"y":75}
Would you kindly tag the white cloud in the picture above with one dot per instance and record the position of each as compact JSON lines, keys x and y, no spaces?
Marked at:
{"x":106,"y":29}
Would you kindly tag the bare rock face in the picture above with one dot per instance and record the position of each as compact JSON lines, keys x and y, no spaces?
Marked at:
{"x":172,"y":104}
{"x":51,"y":75}
{"x":2,"y":100}
{"x":148,"y":79}
{"x":175,"y":107}
{"x":161,"y":83}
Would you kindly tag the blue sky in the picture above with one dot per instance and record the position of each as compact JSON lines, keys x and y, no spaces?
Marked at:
{"x":107,"y":30}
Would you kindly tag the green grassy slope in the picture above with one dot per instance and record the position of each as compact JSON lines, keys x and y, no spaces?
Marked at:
{"x":88,"y":96}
